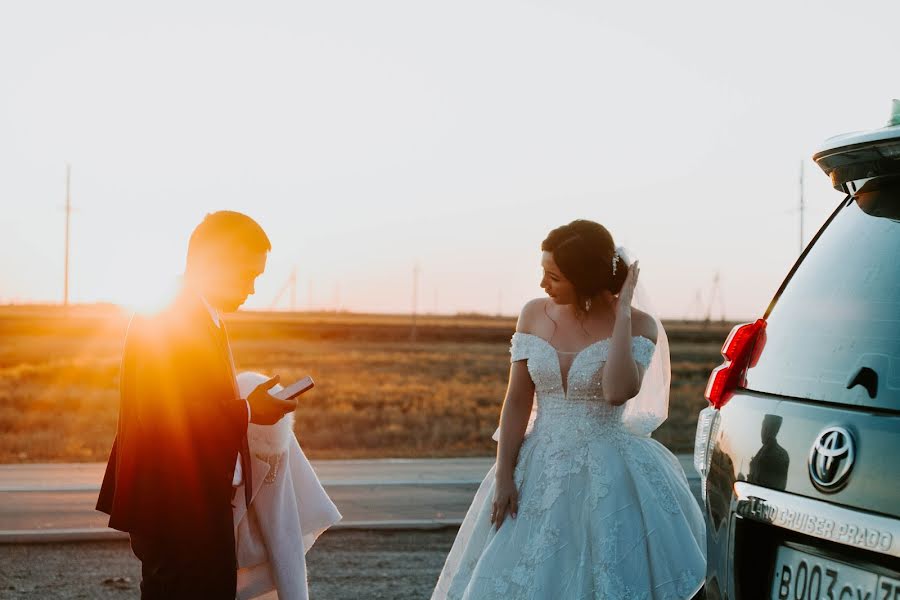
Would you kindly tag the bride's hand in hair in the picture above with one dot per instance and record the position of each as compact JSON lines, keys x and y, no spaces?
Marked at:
{"x":626,"y":295}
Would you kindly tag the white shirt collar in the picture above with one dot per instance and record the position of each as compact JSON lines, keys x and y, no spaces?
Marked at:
{"x":212,"y":312}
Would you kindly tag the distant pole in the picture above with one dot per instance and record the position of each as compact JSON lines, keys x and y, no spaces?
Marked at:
{"x":68,"y":222}
{"x":294,"y":289}
{"x":695,"y":310}
{"x":802,"y":207}
{"x":721,"y":299}
{"x":715,"y":294}
{"x":289,"y":285}
{"x":415,"y":300}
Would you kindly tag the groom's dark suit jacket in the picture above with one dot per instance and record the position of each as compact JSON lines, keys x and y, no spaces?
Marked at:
{"x":181,"y":427}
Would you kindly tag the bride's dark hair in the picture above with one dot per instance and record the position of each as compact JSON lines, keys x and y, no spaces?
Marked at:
{"x":583,"y":251}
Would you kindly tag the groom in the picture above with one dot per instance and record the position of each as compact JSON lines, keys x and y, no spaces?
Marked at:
{"x":181,"y":442}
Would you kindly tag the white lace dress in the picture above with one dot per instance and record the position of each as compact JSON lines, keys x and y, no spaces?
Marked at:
{"x":602,"y":513}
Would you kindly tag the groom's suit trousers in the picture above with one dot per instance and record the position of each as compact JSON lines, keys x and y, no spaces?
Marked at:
{"x":208,"y":574}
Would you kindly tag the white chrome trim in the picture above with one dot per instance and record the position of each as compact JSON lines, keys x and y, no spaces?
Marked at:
{"x":859,"y":137}
{"x":707,"y":430}
{"x":818,"y":519}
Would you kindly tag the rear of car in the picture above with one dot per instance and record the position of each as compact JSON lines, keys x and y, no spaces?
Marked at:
{"x":799,"y":451}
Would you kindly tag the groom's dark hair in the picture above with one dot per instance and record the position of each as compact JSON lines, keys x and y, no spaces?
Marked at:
{"x":226,"y":231}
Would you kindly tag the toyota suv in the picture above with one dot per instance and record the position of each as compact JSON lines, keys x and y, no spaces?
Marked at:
{"x":799,"y":449}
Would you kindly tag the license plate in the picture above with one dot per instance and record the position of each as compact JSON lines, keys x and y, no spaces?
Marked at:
{"x":802,"y":576}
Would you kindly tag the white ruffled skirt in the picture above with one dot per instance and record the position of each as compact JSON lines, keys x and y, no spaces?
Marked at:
{"x":610,"y":517}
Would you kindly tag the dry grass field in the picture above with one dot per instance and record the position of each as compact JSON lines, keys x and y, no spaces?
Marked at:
{"x":378,"y":394}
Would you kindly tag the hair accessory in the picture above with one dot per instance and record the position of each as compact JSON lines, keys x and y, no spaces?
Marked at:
{"x":615,"y":260}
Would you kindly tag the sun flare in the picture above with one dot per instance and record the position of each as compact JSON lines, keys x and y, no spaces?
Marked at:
{"x":148,"y":296}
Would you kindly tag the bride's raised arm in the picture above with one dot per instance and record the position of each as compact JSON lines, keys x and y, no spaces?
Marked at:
{"x":621,"y":374}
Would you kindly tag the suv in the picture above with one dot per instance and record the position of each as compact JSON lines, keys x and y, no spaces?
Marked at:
{"x":799,"y":450}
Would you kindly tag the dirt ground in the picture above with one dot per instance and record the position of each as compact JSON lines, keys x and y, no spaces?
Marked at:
{"x":343,"y":565}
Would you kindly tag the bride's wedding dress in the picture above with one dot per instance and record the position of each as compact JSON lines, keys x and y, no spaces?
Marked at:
{"x":603,"y":512}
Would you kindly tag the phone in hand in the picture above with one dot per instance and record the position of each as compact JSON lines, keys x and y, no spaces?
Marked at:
{"x":295,"y":389}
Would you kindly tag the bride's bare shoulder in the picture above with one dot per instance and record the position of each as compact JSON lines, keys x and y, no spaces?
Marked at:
{"x":532,"y":314}
{"x":644,"y":325}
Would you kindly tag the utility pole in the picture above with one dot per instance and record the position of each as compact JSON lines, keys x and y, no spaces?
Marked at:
{"x":68,"y":223}
{"x":294,"y":289}
{"x":695,"y":309}
{"x":415,"y":300}
{"x":289,"y":285}
{"x":715,"y":294}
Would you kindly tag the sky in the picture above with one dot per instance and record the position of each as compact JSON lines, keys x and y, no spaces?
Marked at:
{"x":369,"y":138}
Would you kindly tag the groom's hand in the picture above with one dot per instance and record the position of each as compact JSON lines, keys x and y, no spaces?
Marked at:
{"x":266,"y":409}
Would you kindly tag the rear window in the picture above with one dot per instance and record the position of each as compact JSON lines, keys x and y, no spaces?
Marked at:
{"x":834,"y":333}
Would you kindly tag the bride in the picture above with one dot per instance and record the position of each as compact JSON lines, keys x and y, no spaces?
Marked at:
{"x":581,"y":502}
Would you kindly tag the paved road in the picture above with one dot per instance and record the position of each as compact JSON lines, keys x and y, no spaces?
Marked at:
{"x":386,"y":471}
{"x":55,"y":502}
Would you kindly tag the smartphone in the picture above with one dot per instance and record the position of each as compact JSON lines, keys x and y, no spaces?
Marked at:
{"x":295,"y":389}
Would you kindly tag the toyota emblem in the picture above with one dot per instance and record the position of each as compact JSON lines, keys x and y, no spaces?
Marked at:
{"x":831,"y":459}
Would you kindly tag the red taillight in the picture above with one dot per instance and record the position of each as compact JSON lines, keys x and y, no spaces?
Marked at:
{"x":737,"y":352}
